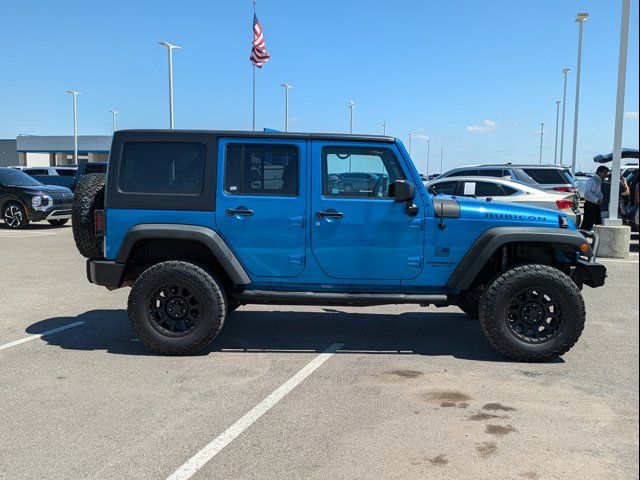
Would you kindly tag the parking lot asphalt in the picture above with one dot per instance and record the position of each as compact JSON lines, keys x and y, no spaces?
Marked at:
{"x":411,"y":392}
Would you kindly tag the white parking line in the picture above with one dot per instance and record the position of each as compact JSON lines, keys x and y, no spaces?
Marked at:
{"x":40,"y":335}
{"x":617,"y":260}
{"x":25,"y":235}
{"x":196,"y":462}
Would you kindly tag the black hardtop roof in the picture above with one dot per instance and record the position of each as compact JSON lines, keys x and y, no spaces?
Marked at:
{"x":271,"y":135}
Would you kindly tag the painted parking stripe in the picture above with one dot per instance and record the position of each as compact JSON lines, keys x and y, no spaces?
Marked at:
{"x":616,"y":260}
{"x":25,"y":235}
{"x":40,"y":335}
{"x":201,"y":458}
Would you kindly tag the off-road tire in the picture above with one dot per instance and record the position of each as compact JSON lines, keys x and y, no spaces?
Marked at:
{"x":502,"y":292}
{"x":212,"y":307}
{"x":88,"y":197}
{"x":58,"y":223}
{"x":14,"y":216}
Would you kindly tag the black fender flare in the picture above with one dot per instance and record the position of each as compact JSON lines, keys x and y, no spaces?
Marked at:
{"x":206,"y":236}
{"x":493,"y":239}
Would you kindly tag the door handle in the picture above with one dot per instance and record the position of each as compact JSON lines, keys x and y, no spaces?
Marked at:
{"x":242,"y":212}
{"x":329,"y":214}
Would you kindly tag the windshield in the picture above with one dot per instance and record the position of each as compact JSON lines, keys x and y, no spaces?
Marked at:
{"x":16,"y":178}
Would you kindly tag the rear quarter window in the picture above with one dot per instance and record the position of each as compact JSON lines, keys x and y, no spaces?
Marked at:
{"x":162,"y":167}
{"x":548,"y":176}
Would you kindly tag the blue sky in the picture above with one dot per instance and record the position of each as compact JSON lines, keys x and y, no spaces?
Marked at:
{"x":476,"y":77}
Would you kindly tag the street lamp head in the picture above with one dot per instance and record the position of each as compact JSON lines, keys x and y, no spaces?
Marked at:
{"x":582,"y":17}
{"x":286,"y":85}
{"x":74,"y":92}
{"x":170,"y":46}
{"x":566,"y":70}
{"x":114,"y":111}
{"x":352,"y":104}
{"x":558,"y":102}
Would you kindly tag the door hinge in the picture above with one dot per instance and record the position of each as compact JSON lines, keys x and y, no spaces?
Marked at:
{"x":297,"y":221}
{"x":414,"y":261}
{"x":416,"y":223}
{"x":297,"y":259}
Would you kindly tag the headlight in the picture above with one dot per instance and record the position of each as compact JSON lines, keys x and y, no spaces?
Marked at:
{"x":41,"y":202}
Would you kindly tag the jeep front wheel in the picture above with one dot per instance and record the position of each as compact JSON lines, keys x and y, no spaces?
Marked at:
{"x":533,"y":313}
{"x":176,"y":308}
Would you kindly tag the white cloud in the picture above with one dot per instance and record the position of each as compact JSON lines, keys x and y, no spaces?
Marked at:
{"x":419,"y":136}
{"x":631,"y":115}
{"x":486,"y":126}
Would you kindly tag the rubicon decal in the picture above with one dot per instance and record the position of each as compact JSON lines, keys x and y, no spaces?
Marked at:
{"x":510,"y":216}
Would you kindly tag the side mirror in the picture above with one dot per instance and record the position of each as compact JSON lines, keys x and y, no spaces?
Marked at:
{"x":403,"y":190}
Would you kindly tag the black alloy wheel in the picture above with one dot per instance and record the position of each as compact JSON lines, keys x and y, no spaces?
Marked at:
{"x":535,"y":316}
{"x":175,"y":309}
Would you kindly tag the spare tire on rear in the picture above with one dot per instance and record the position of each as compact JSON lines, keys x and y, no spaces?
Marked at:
{"x":89,"y":197}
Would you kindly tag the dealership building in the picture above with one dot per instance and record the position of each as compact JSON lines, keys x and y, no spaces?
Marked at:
{"x":50,"y":151}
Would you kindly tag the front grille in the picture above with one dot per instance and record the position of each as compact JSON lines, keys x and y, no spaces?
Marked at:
{"x":55,"y":194}
{"x":62,"y":203}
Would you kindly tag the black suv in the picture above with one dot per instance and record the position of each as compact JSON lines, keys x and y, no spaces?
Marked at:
{"x":24,"y":199}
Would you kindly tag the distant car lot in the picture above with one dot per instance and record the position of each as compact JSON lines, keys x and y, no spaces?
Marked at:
{"x":408,"y":395}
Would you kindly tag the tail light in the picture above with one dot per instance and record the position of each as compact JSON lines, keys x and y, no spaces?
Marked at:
{"x":564,"y":204}
{"x":99,"y":222}
{"x":564,"y":189}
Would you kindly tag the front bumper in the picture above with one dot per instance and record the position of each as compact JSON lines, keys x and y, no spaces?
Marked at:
{"x":105,"y":272}
{"x":59,"y":215}
{"x":590,"y":273}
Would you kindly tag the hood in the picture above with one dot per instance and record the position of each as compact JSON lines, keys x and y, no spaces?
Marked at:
{"x":40,"y":189}
{"x":506,"y":214}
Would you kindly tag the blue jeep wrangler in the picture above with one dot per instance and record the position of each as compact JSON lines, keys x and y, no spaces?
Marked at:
{"x":201,"y":222}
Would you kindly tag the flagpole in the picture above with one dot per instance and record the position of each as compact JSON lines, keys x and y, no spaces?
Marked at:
{"x":254,"y":77}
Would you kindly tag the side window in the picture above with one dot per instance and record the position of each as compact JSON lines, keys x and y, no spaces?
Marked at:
{"x":486,"y":189}
{"x":37,"y":172}
{"x":359,"y":172}
{"x":65,"y":172}
{"x":465,"y":173}
{"x":254,"y":169}
{"x":492,"y":173}
{"x":445,"y":188}
{"x":162,"y":167}
{"x":508,"y":191}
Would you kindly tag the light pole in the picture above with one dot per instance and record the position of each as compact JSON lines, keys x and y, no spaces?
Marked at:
{"x":428,"y":148}
{"x":75,"y":94}
{"x":541,"y":138}
{"x":555,"y":149}
{"x":410,"y":138}
{"x":564,"y":108}
{"x":286,"y":87}
{"x":580,"y":19}
{"x":170,"y":48}
{"x":384,"y":128}
{"x":441,"y":160}
{"x":617,"y":133}
{"x":113,"y":118}
{"x":352,"y":105}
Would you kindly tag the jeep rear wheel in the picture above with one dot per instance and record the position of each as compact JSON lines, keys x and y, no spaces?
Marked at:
{"x":88,"y":197}
{"x":176,"y":308}
{"x":533,"y":313}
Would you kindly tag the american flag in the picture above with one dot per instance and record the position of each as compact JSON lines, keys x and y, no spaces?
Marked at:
{"x":259,"y":55}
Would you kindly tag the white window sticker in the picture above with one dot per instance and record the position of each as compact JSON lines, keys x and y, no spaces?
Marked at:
{"x":233,"y":188}
{"x":469,"y":188}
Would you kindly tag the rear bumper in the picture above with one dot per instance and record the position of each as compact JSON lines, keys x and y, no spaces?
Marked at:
{"x":105,"y":272}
